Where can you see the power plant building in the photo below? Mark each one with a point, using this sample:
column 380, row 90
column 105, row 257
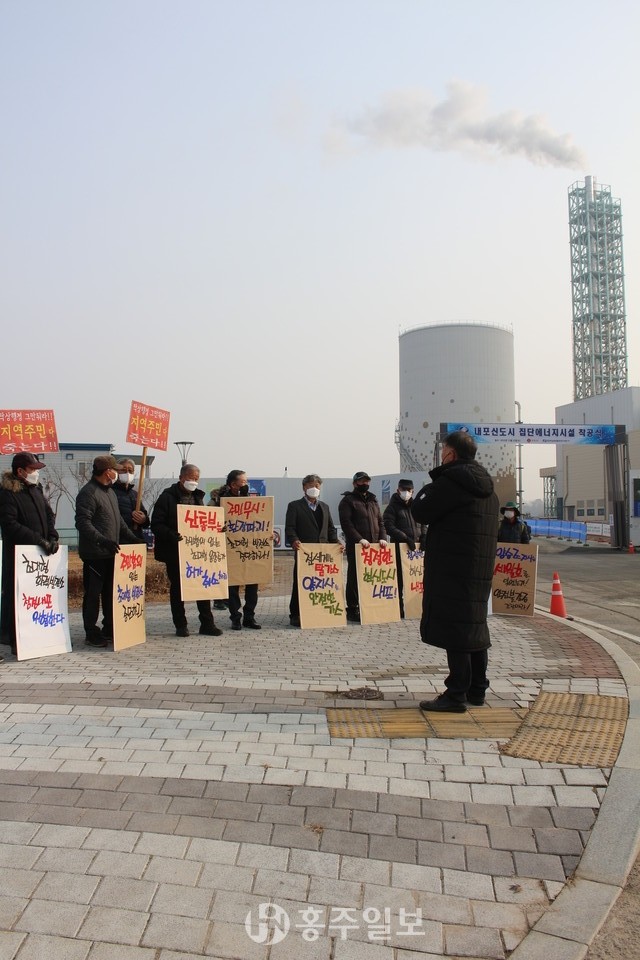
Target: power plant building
column 456, row 372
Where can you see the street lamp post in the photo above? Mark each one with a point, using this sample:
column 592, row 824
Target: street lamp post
column 519, row 463
column 184, row 446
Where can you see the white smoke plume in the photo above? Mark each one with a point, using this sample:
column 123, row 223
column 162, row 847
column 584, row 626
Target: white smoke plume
column 461, row 122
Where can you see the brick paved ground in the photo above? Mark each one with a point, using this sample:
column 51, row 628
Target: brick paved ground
column 150, row 800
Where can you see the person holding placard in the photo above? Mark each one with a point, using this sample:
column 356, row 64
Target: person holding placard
column 362, row 524
column 164, row 524
column 307, row 521
column 128, row 497
column 402, row 528
column 101, row 530
column 25, row 518
column 461, row 509
column 237, row 486
column 512, row 529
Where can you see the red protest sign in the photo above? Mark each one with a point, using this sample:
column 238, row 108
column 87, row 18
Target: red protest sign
column 33, row 431
column 148, row 426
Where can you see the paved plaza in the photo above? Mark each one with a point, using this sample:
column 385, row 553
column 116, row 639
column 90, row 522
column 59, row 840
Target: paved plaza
column 154, row 801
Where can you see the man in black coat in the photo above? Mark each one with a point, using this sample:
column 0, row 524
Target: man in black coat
column 361, row 523
column 164, row 524
column 237, row 485
column 25, row 518
column 512, row 529
column 402, row 528
column 101, row 530
column 461, row 509
column 128, row 497
column 307, row 521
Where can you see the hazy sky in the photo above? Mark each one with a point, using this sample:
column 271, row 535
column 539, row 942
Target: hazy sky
column 231, row 209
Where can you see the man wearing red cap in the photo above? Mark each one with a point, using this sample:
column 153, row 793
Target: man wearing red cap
column 25, row 518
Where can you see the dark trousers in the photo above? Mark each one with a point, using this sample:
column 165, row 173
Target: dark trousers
column 176, row 602
column 250, row 602
column 294, row 603
column 97, row 580
column 467, row 674
column 351, row 589
column 8, row 604
column 399, row 580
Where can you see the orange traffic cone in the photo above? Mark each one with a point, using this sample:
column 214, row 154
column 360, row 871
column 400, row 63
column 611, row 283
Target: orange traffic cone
column 557, row 607
column 632, row 549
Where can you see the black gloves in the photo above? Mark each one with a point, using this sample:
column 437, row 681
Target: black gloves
column 111, row 546
column 49, row 546
column 411, row 544
column 178, row 536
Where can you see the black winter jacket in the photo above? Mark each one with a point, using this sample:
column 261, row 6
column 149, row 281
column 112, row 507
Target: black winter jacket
column 127, row 499
column 461, row 510
column 25, row 515
column 98, row 520
column 360, row 519
column 164, row 520
column 517, row 532
column 399, row 523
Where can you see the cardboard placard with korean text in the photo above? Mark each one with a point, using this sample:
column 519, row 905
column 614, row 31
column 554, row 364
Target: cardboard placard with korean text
column 148, row 426
column 202, row 553
column 320, row 574
column 249, row 529
column 41, row 597
column 129, row 578
column 33, row 431
column 377, row 583
column 412, row 562
column 513, row 590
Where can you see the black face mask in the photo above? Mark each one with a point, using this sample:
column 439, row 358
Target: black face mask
column 362, row 487
column 244, row 491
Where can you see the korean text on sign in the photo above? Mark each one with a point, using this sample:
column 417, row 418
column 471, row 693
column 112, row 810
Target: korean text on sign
column 148, row 426
column 202, row 553
column 33, row 431
column 377, row 578
column 319, row 569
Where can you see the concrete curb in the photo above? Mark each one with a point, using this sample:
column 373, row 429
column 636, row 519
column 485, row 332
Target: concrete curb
column 570, row 924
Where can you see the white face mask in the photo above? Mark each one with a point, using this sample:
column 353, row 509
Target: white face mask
column 126, row 477
column 509, row 514
column 32, row 478
column 405, row 495
column 313, row 492
column 190, row 485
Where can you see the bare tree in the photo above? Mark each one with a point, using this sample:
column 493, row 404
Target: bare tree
column 62, row 482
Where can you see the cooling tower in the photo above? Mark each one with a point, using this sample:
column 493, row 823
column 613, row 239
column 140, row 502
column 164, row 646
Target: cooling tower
column 456, row 372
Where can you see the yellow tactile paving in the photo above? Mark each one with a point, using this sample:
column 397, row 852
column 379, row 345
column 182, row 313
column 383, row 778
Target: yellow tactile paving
column 571, row 728
column 480, row 723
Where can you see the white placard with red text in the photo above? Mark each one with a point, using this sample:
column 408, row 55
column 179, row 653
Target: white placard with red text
column 42, row 608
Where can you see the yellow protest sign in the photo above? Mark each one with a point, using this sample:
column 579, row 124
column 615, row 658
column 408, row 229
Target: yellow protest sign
column 377, row 578
column 202, row 553
column 513, row 590
column 320, row 577
column 129, row 572
column 412, row 565
column 249, row 530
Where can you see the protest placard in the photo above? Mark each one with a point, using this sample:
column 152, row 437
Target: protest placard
column 41, row 602
column 202, row 553
column 249, row 528
column 319, row 570
column 377, row 584
column 412, row 564
column 129, row 573
column 148, row 426
column 513, row 590
column 33, row 431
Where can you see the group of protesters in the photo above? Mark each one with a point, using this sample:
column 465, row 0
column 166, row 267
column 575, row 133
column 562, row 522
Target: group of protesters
column 453, row 518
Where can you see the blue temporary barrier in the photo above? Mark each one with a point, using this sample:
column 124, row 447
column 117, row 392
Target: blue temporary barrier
column 565, row 529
